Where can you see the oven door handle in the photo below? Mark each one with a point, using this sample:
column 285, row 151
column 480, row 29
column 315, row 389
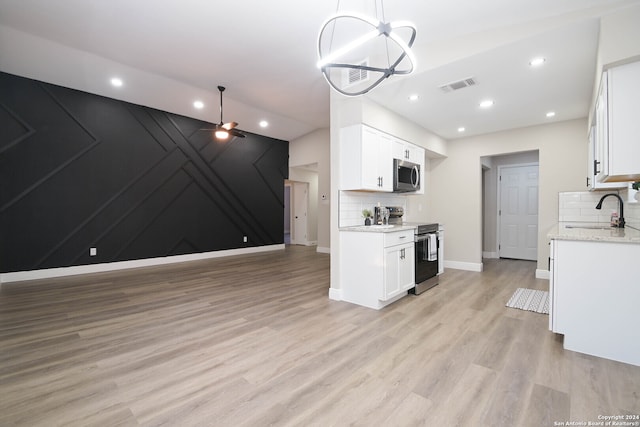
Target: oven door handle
column 421, row 237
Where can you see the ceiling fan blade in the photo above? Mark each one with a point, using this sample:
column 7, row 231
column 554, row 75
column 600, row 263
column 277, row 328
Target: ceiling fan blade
column 237, row 133
column 217, row 126
column 230, row 125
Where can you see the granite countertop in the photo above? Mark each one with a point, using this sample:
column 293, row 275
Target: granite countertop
column 391, row 228
column 594, row 232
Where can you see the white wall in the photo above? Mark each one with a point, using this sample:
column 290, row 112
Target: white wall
column 313, row 148
column 619, row 35
column 618, row 42
column 562, row 156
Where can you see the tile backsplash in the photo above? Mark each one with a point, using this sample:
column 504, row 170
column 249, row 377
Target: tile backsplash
column 581, row 207
column 353, row 202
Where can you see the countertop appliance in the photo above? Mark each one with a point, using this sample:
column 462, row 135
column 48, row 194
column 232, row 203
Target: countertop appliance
column 426, row 243
column 406, row 176
column 388, row 214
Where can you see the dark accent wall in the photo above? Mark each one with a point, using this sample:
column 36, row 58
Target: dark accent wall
column 79, row 170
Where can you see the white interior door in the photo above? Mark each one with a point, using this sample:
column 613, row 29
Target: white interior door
column 518, row 212
column 300, row 202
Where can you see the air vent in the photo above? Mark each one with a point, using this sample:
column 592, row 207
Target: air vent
column 353, row 75
column 450, row 87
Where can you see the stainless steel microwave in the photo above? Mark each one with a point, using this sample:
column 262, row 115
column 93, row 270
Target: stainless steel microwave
column 406, row 176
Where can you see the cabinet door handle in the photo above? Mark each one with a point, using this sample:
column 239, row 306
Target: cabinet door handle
column 587, row 182
column 595, row 167
column 402, row 237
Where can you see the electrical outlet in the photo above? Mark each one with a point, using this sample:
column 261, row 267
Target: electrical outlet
column 93, row 251
column 244, row 239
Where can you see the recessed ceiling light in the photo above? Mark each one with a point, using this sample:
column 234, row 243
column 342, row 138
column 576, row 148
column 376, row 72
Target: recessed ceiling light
column 487, row 103
column 551, row 113
column 413, row 97
column 263, row 123
column 536, row 62
column 198, row 104
column 461, row 129
column 116, row 82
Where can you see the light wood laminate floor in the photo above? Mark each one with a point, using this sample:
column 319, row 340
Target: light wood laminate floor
column 254, row 340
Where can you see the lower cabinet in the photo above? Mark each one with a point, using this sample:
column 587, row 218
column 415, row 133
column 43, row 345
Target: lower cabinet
column 399, row 270
column 376, row 268
column 594, row 298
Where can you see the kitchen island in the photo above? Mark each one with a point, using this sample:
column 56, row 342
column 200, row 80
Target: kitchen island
column 594, row 289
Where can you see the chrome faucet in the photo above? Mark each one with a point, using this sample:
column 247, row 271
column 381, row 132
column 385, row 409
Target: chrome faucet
column 620, row 208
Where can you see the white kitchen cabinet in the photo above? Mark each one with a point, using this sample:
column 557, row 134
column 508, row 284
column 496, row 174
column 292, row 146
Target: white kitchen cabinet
column 594, row 297
column 592, row 167
column 404, row 150
column 376, row 268
column 366, row 159
column 617, row 151
column 399, row 271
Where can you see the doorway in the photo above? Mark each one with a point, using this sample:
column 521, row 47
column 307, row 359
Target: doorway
column 490, row 170
column 518, row 211
column 296, row 212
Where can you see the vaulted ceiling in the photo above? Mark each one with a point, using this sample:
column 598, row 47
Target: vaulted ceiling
column 170, row 53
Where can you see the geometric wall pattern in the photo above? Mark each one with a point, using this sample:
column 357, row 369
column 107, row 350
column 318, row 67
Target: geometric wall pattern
column 79, row 170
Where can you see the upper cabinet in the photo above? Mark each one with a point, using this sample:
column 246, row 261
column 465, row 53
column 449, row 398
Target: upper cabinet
column 593, row 166
column 404, row 150
column 367, row 158
column 616, row 131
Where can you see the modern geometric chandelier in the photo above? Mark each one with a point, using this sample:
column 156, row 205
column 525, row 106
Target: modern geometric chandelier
column 353, row 56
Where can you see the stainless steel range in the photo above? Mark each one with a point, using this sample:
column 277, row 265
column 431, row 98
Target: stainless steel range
column 426, row 242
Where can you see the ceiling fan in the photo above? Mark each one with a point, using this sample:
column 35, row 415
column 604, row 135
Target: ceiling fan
column 223, row 130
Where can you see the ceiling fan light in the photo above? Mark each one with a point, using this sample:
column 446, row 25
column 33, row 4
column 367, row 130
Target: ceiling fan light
column 221, row 134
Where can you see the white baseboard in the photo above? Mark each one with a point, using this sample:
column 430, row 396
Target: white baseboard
column 323, row 250
column 47, row 273
column 490, row 255
column 542, row 274
column 335, row 294
column 468, row 266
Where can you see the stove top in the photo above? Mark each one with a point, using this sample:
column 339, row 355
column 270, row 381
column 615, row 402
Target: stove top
column 422, row 227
